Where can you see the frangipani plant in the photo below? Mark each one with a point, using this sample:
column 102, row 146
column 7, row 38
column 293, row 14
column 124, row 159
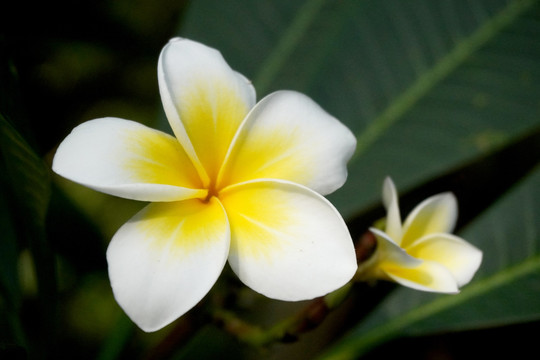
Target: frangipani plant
column 241, row 182
column 438, row 94
column 421, row 253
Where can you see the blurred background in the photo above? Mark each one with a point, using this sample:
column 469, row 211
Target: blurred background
column 442, row 96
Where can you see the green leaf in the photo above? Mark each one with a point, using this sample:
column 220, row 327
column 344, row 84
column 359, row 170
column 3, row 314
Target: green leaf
column 426, row 86
column 9, row 285
column 28, row 186
column 27, row 173
column 504, row 290
column 473, row 100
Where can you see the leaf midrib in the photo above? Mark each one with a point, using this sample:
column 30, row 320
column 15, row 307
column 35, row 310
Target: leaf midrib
column 463, row 50
column 446, row 65
column 287, row 43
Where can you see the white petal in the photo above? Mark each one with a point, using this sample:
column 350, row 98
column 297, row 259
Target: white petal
column 429, row 276
column 454, row 253
column 393, row 217
column 436, row 214
column 393, row 263
column 127, row 159
column 389, row 251
column 204, row 99
column 287, row 242
column 166, row 258
column 288, row 136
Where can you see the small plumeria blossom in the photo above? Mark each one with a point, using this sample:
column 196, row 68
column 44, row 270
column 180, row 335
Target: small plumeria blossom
column 240, row 182
column 422, row 253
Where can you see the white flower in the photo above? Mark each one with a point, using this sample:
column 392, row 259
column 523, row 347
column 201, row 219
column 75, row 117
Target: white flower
column 421, row 253
column 239, row 182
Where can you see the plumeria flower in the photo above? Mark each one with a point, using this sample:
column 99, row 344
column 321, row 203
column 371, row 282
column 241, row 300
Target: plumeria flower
column 422, row 253
column 240, row 181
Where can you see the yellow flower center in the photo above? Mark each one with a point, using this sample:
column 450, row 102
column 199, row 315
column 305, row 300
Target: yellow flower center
column 212, row 191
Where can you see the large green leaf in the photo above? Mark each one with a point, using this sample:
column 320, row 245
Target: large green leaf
column 504, row 291
column 425, row 85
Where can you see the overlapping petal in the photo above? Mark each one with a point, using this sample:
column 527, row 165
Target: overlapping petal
column 458, row 256
column 428, row 276
column 288, row 136
column 401, row 266
column 166, row 258
column 127, row 159
column 390, row 252
column 287, row 242
column 436, row 214
column 393, row 217
column 205, row 101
